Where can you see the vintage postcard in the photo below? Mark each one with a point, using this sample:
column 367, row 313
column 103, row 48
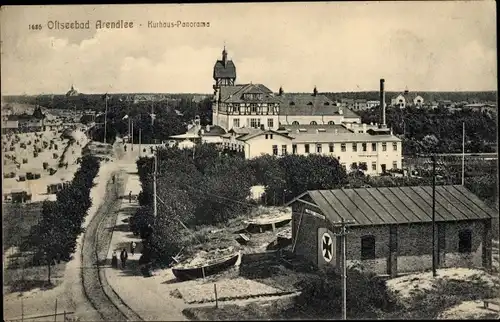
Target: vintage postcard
column 250, row 161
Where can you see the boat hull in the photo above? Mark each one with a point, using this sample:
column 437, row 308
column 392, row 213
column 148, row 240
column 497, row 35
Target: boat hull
column 191, row 273
column 259, row 228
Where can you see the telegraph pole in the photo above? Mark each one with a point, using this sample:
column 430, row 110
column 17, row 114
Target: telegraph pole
column 434, row 258
column 343, row 232
column 140, row 142
column 155, row 211
column 105, row 116
column 463, row 153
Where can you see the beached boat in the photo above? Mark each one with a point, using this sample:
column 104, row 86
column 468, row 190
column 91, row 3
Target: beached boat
column 187, row 272
column 259, row 226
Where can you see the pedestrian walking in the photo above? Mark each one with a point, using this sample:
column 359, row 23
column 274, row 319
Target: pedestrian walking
column 114, row 260
column 130, row 197
column 123, row 257
column 132, row 247
column 113, row 179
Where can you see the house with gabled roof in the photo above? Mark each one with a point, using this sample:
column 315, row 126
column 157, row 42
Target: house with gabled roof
column 390, row 229
column 406, row 99
column 253, row 105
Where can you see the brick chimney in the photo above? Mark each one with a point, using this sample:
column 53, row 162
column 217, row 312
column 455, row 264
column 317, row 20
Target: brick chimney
column 382, row 101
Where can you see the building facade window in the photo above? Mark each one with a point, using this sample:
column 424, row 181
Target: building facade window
column 318, row 148
column 374, row 166
column 254, row 123
column 331, row 147
column 294, row 148
column 374, row 147
column 270, row 109
column 275, row 150
column 394, row 146
column 267, row 136
column 367, row 247
column 314, row 123
column 363, row 147
column 465, row 241
column 236, row 108
column 363, row 166
column 283, row 149
column 236, row 122
column 306, row 148
column 395, row 164
column 355, row 147
column 270, row 123
column 384, row 146
column 331, row 123
column 253, row 108
column 271, row 136
column 342, row 147
column 295, row 123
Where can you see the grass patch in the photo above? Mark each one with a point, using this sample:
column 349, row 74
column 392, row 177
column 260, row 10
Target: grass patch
column 270, row 310
column 25, row 279
column 17, row 222
column 446, row 293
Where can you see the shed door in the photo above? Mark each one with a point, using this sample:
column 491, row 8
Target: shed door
column 327, row 248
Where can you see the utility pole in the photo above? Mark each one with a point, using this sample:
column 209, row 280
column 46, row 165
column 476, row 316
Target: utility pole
column 105, row 116
column 343, row 232
column 155, row 210
column 463, row 153
column 140, row 142
column 434, row 258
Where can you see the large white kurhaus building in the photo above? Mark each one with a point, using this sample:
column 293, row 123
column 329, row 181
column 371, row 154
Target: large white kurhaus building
column 250, row 118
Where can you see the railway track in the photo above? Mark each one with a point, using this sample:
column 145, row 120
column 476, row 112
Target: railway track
column 95, row 248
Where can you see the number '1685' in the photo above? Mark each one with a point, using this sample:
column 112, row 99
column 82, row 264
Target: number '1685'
column 35, row 27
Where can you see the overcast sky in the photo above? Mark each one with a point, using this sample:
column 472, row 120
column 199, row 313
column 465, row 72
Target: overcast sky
column 435, row 46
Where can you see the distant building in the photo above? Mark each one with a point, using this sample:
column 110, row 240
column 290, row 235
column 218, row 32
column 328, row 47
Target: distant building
column 391, row 231
column 224, row 71
column 72, row 92
column 354, row 104
column 372, row 104
column 407, row 99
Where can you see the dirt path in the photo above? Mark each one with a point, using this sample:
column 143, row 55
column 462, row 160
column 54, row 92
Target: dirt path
column 94, row 252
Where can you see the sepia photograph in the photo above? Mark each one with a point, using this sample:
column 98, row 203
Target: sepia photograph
column 250, row 161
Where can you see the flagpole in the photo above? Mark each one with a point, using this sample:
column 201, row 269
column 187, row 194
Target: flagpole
column 463, row 153
column 105, row 117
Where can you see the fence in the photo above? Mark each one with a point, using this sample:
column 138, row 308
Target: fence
column 56, row 316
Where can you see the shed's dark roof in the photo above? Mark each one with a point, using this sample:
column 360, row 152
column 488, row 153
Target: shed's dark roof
column 221, row 71
column 399, row 205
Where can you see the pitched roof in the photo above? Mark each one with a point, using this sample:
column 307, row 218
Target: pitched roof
column 304, row 137
column 308, row 104
column 234, row 94
column 213, row 130
column 249, row 136
column 399, row 205
column 310, row 128
column 221, row 71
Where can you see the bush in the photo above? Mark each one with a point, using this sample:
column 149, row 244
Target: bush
column 367, row 295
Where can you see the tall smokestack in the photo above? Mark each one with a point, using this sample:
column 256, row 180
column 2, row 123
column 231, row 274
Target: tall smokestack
column 382, row 101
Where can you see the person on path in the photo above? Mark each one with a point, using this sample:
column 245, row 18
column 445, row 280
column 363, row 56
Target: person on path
column 114, row 260
column 132, row 247
column 130, row 197
column 123, row 257
column 113, row 179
